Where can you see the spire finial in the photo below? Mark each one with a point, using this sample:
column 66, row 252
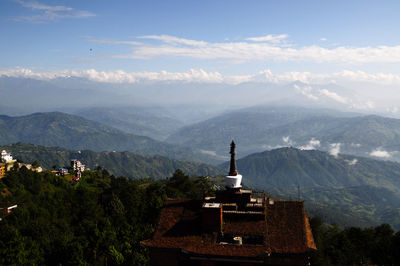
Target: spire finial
column 232, row 169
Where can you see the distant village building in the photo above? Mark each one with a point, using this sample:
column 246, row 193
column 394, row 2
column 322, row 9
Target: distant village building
column 233, row 228
column 6, row 157
column 62, row 171
column 30, row 167
column 2, row 170
column 78, row 167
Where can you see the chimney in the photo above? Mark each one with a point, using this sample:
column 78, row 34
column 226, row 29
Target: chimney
column 212, row 217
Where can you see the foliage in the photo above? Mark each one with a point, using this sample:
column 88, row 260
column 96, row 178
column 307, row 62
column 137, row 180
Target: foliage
column 181, row 186
column 99, row 220
column 355, row 246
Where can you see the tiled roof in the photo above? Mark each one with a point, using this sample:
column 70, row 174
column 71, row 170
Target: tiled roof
column 286, row 231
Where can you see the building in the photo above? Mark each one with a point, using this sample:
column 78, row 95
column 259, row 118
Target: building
column 233, row 228
column 38, row 169
column 2, row 170
column 78, row 167
column 62, row 171
column 6, row 157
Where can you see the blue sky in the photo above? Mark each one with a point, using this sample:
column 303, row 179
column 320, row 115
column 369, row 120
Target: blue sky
column 235, row 39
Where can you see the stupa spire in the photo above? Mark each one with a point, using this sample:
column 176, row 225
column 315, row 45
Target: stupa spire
column 232, row 169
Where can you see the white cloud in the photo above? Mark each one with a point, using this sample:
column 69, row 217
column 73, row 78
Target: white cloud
column 333, row 96
column 334, row 149
column 306, row 91
column 269, row 47
column 269, row 38
column 46, row 13
column 323, row 39
column 352, row 162
column 380, row 153
column 120, row 76
column 357, row 145
column 174, row 40
column 287, row 140
column 313, row 144
column 393, row 110
column 271, row 147
column 311, row 93
column 213, row 153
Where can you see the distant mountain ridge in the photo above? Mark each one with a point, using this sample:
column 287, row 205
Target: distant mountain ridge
column 139, row 121
column 118, row 163
column 256, row 130
column 287, row 168
column 74, row 132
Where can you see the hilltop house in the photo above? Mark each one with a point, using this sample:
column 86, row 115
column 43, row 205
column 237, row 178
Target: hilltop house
column 2, row 170
column 6, row 157
column 233, row 228
column 62, row 171
column 78, row 167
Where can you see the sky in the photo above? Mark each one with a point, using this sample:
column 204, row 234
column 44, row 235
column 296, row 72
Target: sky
column 202, row 41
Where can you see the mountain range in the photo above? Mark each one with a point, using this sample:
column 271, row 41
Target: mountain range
column 139, row 121
column 260, row 128
column 73, row 132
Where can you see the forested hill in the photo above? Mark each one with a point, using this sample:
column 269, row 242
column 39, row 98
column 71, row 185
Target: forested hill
column 289, row 167
column 118, row 163
column 74, row 132
column 343, row 189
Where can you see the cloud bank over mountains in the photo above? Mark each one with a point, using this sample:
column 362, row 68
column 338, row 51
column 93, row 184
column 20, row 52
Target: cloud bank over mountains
column 202, row 76
column 352, row 90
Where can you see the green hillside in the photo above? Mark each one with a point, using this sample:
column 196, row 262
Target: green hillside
column 289, row 167
column 118, row 163
column 352, row 206
column 347, row 190
column 74, row 132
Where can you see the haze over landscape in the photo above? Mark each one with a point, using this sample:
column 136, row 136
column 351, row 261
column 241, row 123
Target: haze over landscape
column 309, row 91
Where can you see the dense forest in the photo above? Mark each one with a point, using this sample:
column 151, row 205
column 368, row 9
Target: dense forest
column 101, row 220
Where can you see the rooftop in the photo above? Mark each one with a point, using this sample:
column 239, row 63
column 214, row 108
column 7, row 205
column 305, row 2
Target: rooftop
column 283, row 228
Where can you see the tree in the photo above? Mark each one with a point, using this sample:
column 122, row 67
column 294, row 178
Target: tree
column 35, row 164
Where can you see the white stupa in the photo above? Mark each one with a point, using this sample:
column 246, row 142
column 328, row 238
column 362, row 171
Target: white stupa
column 233, row 179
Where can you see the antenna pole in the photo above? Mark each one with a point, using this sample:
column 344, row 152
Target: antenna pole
column 299, row 192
